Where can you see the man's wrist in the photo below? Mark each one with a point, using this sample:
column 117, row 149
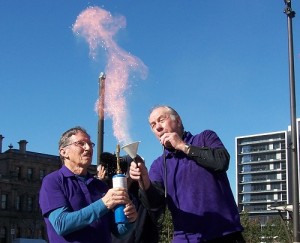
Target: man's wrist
column 187, row 148
column 144, row 182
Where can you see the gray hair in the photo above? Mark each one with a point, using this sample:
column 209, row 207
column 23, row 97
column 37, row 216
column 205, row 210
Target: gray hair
column 172, row 112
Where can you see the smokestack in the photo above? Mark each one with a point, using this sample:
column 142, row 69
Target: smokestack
column 1, row 138
column 102, row 78
column 22, row 146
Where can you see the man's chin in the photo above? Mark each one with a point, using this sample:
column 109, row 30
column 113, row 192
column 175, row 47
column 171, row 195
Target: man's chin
column 86, row 159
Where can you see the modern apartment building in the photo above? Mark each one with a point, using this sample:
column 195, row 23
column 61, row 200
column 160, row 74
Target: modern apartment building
column 263, row 172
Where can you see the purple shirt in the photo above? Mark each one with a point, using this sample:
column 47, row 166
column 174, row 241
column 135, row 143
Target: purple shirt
column 200, row 201
column 62, row 188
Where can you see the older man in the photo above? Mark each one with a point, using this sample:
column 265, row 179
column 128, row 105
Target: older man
column 76, row 206
column 190, row 178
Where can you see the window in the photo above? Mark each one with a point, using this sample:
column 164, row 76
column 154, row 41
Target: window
column 42, row 174
column 258, row 197
column 275, row 186
column 4, row 201
column 258, row 187
column 29, row 173
column 247, row 188
column 284, row 196
column 276, row 166
column 259, row 207
column 247, row 168
column 260, row 167
column 18, row 172
column 276, row 145
column 29, row 204
column 2, row 232
column 246, row 198
column 246, row 149
column 246, row 158
column 247, row 178
column 18, row 232
column 29, row 233
column 18, row 203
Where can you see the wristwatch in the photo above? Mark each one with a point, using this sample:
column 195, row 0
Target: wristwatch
column 187, row 148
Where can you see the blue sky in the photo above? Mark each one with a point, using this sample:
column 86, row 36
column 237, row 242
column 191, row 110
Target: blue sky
column 223, row 65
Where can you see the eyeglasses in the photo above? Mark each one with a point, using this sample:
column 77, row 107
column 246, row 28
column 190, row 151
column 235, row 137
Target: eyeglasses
column 81, row 144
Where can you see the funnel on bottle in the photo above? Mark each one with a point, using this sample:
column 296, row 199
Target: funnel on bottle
column 131, row 149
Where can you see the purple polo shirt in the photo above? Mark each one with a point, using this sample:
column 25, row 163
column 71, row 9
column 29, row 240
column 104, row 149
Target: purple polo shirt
column 62, row 188
column 200, row 201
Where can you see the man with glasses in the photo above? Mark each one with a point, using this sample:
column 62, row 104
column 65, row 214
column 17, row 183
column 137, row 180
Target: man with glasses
column 190, row 178
column 76, row 206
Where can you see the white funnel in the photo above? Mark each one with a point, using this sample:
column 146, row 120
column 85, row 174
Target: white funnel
column 131, row 149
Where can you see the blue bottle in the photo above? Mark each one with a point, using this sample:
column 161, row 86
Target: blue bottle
column 120, row 180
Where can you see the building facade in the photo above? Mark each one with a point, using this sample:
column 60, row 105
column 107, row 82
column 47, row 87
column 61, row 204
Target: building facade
column 263, row 172
column 21, row 174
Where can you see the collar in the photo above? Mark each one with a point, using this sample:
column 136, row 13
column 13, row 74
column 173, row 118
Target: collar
column 67, row 173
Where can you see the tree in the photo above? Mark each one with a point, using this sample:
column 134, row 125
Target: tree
column 252, row 228
column 275, row 230
column 166, row 233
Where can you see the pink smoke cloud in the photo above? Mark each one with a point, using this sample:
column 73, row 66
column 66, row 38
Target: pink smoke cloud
column 98, row 27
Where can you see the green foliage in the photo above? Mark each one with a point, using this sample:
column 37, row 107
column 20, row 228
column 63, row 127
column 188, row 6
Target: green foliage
column 166, row 233
column 252, row 229
column 275, row 230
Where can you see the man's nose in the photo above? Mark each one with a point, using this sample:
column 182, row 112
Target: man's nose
column 88, row 146
column 159, row 127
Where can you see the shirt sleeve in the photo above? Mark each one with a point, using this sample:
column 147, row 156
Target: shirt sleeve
column 64, row 221
column 208, row 151
column 213, row 159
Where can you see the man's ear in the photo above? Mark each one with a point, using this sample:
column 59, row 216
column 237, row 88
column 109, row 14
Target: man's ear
column 63, row 153
column 179, row 122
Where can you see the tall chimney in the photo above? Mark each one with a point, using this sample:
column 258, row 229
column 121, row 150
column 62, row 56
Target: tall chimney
column 1, row 138
column 22, row 146
column 101, row 79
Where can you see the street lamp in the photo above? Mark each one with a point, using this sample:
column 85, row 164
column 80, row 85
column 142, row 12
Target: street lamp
column 293, row 146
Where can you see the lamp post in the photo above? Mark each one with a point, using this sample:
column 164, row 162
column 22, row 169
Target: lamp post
column 101, row 80
column 293, row 146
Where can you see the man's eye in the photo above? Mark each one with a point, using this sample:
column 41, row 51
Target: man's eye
column 81, row 143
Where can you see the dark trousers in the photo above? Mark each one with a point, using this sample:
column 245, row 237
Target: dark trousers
column 231, row 238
